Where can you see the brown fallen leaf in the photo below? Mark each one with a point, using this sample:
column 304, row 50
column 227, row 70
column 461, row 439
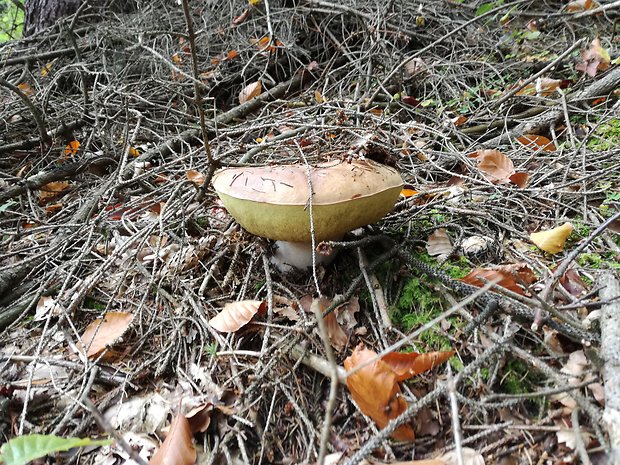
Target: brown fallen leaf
column 537, row 143
column 199, row 418
column 250, row 91
column 195, row 177
column 104, row 332
column 178, row 447
column 52, row 190
column 375, row 390
column 479, row 276
column 552, row 240
column 594, row 59
column 407, row 365
column 577, row 6
column 497, row 167
column 438, row 243
column 235, row 315
column 543, row 87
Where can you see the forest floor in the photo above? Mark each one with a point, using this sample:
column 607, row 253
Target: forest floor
column 503, row 120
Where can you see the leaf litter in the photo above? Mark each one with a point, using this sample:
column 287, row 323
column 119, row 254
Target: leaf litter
column 156, row 246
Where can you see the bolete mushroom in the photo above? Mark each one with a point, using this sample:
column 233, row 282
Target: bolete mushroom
column 274, row 201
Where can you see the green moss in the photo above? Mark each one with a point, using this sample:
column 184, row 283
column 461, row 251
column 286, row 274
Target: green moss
column 94, row 304
column 516, row 378
column 419, row 303
column 606, row 136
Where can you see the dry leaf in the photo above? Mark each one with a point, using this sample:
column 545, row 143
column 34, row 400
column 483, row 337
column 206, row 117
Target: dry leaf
column 572, row 282
column 241, row 18
column 26, row 88
column 199, row 417
column 104, row 332
column 552, row 240
column 406, row 193
column 250, row 91
column 195, row 177
column 543, row 87
column 438, row 243
column 577, row 6
column 337, row 337
column 519, row 179
column 407, row 365
column 470, row 457
column 72, row 148
column 371, row 461
column 375, row 390
column 235, row 315
column 537, row 143
column 480, row 276
column 52, row 190
column 178, row 448
column 594, row 59
column 46, row 305
column 495, row 166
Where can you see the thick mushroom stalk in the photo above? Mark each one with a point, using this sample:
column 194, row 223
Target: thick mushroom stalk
column 275, row 201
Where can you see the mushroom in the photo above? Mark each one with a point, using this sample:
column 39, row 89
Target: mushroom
column 274, row 202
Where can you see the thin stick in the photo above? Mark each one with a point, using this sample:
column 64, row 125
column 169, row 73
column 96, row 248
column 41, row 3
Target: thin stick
column 197, row 84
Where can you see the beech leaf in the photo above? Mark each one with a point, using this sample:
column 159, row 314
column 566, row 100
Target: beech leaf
column 407, row 365
column 479, row 276
column 104, row 332
column 537, row 143
column 178, row 448
column 376, row 391
column 552, row 240
column 235, row 315
column 250, row 91
column 494, row 165
column 438, row 243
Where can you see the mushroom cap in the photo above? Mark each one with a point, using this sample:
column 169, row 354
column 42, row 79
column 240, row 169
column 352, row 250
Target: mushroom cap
column 273, row 201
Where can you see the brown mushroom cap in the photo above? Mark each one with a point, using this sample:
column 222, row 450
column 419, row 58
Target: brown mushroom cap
column 273, row 201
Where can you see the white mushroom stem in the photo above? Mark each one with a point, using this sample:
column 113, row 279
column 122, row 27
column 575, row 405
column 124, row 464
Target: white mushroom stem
column 297, row 255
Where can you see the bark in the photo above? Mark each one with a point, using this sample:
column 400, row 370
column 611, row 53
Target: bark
column 43, row 13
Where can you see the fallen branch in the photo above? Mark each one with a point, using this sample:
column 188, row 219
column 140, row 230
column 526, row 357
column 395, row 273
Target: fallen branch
column 550, row 117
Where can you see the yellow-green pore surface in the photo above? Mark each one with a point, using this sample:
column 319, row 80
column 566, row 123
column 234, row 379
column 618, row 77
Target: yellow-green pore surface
column 273, row 202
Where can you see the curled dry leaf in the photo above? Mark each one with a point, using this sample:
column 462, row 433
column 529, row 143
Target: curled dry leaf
column 407, row 365
column 199, row 418
column 178, row 448
column 250, row 91
column 376, row 391
column 594, row 59
column 195, row 177
column 572, row 282
column 577, row 6
column 337, row 337
column 235, row 315
column 104, row 332
column 537, row 143
column 552, row 240
column 438, row 243
column 503, row 275
column 543, row 87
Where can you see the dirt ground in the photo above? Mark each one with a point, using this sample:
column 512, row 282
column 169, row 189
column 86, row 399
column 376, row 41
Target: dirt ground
column 116, row 253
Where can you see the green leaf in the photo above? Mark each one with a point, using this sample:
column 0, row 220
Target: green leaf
column 482, row 9
column 23, row 449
